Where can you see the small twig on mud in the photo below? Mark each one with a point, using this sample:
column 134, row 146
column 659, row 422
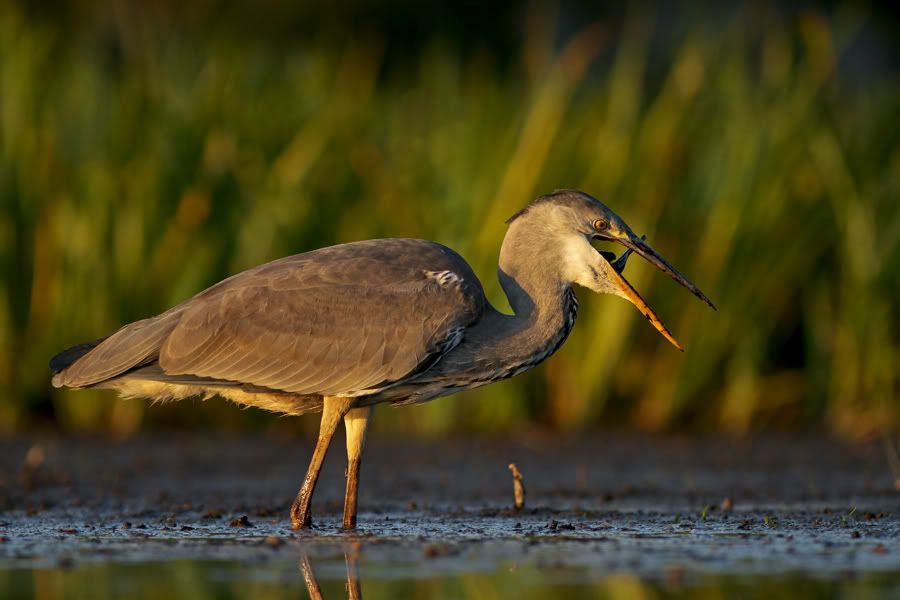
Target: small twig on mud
column 518, row 487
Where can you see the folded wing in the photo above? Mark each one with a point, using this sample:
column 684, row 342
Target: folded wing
column 343, row 320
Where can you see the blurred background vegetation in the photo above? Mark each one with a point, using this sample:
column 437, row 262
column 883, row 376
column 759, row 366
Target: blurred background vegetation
column 148, row 150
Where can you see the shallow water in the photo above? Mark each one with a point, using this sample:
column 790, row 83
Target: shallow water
column 622, row 516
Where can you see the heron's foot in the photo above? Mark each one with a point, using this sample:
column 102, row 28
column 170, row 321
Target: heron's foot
column 300, row 517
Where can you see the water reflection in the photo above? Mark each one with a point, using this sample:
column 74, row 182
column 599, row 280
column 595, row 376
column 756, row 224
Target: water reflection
column 321, row 569
column 389, row 579
column 351, row 560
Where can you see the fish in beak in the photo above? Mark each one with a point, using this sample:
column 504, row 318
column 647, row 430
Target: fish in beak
column 633, row 243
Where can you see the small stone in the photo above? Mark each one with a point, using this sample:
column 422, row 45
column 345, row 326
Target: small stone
column 273, row 541
column 242, row 522
column 168, row 520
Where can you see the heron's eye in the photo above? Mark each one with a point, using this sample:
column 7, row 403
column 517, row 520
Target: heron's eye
column 600, row 225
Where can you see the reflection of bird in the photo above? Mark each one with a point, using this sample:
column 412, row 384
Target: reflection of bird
column 353, row 587
column 344, row 328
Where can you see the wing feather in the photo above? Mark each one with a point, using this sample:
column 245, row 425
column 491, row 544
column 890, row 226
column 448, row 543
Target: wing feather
column 337, row 321
column 130, row 346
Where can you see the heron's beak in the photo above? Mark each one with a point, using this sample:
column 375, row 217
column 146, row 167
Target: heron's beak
column 635, row 244
column 625, row 290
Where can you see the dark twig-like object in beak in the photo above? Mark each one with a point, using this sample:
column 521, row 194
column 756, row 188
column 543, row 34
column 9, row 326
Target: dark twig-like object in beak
column 619, row 263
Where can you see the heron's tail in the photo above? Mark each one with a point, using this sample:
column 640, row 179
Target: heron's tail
column 67, row 357
column 131, row 347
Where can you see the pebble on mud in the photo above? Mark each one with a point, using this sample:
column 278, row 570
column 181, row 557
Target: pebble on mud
column 242, row 522
column 273, row 542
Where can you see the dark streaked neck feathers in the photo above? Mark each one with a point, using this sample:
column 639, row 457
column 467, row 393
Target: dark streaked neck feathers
column 532, row 274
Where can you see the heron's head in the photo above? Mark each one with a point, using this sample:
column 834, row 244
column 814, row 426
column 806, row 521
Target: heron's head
column 558, row 229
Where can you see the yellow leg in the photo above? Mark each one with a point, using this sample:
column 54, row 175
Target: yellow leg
column 356, row 421
column 333, row 410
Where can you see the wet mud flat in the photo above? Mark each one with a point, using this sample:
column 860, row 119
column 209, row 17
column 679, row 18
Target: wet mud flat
column 207, row 515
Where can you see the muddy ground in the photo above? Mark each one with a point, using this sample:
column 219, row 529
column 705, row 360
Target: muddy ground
column 667, row 511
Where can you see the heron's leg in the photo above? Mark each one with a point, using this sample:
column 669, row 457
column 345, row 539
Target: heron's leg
column 356, row 421
column 333, row 410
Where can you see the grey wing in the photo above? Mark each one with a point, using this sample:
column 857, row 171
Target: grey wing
column 345, row 320
column 341, row 320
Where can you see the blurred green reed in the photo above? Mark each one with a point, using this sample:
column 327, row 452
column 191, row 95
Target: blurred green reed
column 140, row 164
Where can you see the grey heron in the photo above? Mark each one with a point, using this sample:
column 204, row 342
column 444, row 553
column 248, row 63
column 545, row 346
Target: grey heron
column 343, row 328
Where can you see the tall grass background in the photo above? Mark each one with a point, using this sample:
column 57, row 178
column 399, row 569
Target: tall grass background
column 143, row 159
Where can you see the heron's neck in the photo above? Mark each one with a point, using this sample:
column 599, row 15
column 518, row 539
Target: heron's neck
column 544, row 313
column 544, row 306
column 501, row 345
